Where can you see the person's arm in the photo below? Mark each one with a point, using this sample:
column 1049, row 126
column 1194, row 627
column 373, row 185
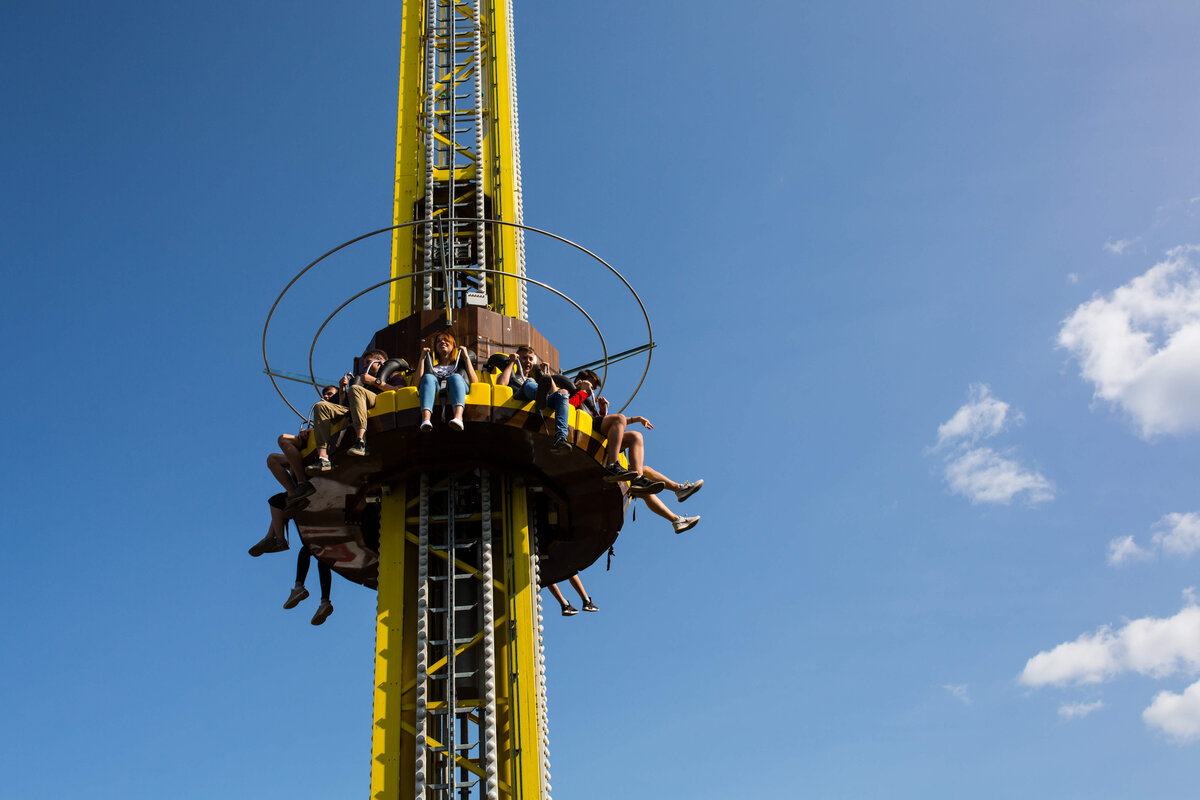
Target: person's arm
column 421, row 363
column 506, row 375
column 645, row 422
column 470, row 367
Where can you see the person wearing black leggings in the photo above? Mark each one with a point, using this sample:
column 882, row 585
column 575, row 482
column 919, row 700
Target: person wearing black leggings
column 298, row 593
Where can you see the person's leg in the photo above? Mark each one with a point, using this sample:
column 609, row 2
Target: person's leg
column 325, row 575
column 588, row 605
column 361, row 399
column 277, row 463
column 456, row 394
column 289, row 445
column 561, row 404
column 613, row 428
column 526, row 391
column 633, row 442
column 679, row 522
column 427, row 390
column 568, row 610
column 659, row 507
column 298, row 593
column 655, row 475
column 324, row 413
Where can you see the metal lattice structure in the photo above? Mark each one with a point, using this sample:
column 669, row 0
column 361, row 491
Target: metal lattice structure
column 458, row 160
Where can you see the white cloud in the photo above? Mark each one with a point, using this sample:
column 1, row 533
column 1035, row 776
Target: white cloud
column 1124, row 549
column 1072, row 277
column 1176, row 534
column 984, row 476
column 982, row 416
column 980, row 473
column 1148, row 646
column 1079, row 710
column 1179, row 534
column 1140, row 345
column 960, row 692
column 1177, row 715
column 1120, row 245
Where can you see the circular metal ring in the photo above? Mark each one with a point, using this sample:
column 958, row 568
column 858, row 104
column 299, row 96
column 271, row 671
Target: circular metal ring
column 381, row 284
column 355, row 240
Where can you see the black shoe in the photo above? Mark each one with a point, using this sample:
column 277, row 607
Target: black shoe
column 615, row 472
column 323, row 612
column 294, row 507
column 301, row 489
column 561, row 446
column 267, row 544
column 295, row 597
column 358, row 449
column 319, row 466
column 640, row 487
column 590, row 606
column 570, row 610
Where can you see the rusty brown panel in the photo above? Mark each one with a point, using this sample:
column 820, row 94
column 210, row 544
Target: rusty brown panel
column 483, row 331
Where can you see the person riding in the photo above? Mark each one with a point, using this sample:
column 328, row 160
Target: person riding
column 524, row 372
column 611, row 427
column 360, row 396
column 444, row 366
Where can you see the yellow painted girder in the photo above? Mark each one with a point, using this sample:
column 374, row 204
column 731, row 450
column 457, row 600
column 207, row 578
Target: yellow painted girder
column 462, row 565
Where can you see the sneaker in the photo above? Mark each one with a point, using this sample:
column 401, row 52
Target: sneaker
column 615, row 472
column 323, row 612
column 426, row 426
column 295, row 597
column 561, row 446
column 457, row 424
column 301, row 489
column 359, row 448
column 688, row 489
column 590, row 606
column 640, row 487
column 267, row 544
column 682, row 524
column 319, row 466
column 293, row 507
column 570, row 610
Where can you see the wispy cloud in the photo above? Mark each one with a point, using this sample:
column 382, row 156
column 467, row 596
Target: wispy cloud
column 1124, row 550
column 1140, row 345
column 1079, row 710
column 1176, row 534
column 1119, row 246
column 979, row 473
column 959, row 691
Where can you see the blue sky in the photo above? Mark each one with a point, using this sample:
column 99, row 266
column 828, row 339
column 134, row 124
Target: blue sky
column 928, row 327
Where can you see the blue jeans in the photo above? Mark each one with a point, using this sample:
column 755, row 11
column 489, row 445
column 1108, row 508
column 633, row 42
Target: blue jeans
column 562, row 406
column 456, row 390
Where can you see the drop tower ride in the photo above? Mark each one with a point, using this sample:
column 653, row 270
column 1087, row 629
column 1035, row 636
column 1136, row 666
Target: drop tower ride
column 457, row 530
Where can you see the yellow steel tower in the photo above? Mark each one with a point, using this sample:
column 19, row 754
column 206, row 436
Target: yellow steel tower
column 459, row 681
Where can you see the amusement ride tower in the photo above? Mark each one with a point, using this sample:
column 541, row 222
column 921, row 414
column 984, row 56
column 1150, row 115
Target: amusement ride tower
column 457, row 529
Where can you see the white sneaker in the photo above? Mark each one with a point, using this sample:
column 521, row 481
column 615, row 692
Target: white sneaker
column 426, row 426
column 688, row 489
column 456, row 423
column 682, row 524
